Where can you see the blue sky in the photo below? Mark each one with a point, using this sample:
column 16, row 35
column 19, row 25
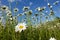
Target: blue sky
column 33, row 4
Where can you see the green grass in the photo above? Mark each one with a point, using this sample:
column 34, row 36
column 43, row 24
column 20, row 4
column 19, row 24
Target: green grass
column 43, row 32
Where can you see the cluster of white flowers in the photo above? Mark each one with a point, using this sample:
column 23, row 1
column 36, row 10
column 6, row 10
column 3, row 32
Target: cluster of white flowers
column 50, row 6
column 40, row 9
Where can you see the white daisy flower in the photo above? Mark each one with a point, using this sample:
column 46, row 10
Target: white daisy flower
column 39, row 9
column 11, row 19
column 25, row 13
column 4, row 8
column 14, row 17
column 16, row 9
column 8, row 11
column 25, row 8
column 55, row 3
column 21, row 14
column 52, row 38
column 9, row 14
column 20, row 27
column 29, row 12
column 49, row 4
column 43, row 8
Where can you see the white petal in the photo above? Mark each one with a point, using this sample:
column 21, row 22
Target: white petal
column 20, row 30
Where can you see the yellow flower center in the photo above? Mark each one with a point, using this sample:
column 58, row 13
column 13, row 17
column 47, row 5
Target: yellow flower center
column 21, row 26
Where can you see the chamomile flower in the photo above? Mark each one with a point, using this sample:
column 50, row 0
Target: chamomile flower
column 30, row 12
column 43, row 8
column 52, row 38
column 15, row 17
column 11, row 19
column 25, row 8
column 4, row 8
column 51, row 12
column 9, row 14
column 55, row 3
column 25, row 13
column 51, row 7
column 48, row 4
column 39, row 9
column 21, row 14
column 20, row 27
column 8, row 11
column 16, row 9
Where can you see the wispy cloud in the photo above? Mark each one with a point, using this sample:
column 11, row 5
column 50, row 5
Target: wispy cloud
column 11, row 0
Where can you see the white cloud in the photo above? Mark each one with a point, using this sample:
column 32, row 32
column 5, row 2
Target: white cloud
column 11, row 0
